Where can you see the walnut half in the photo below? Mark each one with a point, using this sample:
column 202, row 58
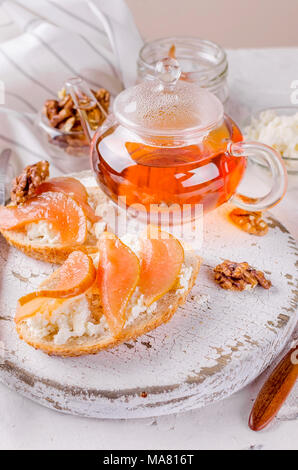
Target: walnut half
column 239, row 276
column 250, row 222
column 24, row 186
column 63, row 115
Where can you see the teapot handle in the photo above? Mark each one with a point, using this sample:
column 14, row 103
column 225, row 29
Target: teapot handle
column 273, row 161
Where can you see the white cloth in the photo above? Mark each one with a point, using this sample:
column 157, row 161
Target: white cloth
column 96, row 40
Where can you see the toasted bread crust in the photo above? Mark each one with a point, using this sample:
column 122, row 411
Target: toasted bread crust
column 167, row 306
column 55, row 254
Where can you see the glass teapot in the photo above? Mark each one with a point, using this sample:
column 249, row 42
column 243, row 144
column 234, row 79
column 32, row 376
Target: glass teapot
column 168, row 144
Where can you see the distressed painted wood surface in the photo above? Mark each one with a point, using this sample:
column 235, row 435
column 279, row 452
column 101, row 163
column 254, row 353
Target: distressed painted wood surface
column 218, row 342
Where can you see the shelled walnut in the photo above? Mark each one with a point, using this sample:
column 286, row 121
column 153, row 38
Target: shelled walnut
column 239, row 276
column 250, row 222
column 63, row 116
column 24, row 186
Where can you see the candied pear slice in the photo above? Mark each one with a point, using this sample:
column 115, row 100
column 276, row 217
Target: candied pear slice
column 162, row 256
column 117, row 277
column 62, row 211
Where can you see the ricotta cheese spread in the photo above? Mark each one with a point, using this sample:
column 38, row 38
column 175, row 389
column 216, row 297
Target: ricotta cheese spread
column 43, row 232
column 71, row 319
column 280, row 132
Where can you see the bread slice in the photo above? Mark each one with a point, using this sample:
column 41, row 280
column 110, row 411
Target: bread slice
column 53, row 253
column 143, row 323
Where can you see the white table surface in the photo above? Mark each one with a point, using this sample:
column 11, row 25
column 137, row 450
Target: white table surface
column 257, row 78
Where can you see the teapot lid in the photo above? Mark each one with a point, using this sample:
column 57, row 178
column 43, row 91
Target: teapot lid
column 167, row 105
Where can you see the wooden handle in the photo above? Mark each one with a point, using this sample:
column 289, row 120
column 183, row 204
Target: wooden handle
column 275, row 391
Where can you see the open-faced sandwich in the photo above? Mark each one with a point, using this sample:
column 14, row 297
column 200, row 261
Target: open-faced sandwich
column 48, row 218
column 92, row 302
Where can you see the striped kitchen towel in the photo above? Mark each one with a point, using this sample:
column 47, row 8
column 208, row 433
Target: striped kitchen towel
column 96, row 40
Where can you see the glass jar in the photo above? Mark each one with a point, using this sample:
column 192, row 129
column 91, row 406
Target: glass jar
column 201, row 61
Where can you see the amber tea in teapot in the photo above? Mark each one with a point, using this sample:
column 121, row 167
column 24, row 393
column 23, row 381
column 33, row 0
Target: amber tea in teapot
column 201, row 173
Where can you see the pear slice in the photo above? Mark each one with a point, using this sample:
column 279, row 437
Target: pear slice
column 74, row 277
column 118, row 275
column 66, row 215
column 162, row 256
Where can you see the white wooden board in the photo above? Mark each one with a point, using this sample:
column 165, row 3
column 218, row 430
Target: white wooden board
column 218, row 342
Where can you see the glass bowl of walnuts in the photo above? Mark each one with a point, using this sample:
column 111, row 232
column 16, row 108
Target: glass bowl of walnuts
column 62, row 130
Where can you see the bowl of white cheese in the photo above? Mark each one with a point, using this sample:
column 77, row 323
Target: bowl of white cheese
column 278, row 128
